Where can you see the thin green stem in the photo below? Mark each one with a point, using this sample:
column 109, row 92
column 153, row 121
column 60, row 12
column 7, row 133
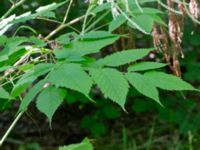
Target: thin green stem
column 95, row 22
column 76, row 30
column 190, row 140
column 168, row 8
column 138, row 5
column 10, row 128
column 62, row 26
column 24, row 27
column 13, row 123
column 90, row 20
column 85, row 18
column 99, row 27
column 67, row 12
column 11, row 1
column 12, row 8
column 49, row 20
column 7, row 82
column 131, row 21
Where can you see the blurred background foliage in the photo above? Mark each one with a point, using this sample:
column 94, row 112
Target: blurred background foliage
column 145, row 126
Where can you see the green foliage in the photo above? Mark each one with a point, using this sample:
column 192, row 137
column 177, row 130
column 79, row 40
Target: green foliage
column 124, row 57
column 81, row 62
column 31, row 95
column 22, row 84
column 71, row 75
column 145, row 22
column 49, row 100
column 43, row 11
column 84, row 145
column 97, row 129
column 30, row 146
column 33, row 72
column 143, row 66
column 71, row 72
column 112, row 83
column 4, row 94
column 117, row 23
column 91, row 43
column 144, row 85
column 167, row 81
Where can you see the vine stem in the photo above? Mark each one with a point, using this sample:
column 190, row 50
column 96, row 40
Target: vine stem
column 12, row 8
column 10, row 128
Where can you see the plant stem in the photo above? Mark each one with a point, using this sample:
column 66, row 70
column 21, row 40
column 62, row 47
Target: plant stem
column 13, row 123
column 12, row 8
column 10, row 128
column 85, row 18
column 62, row 26
column 96, row 21
column 168, row 8
column 49, row 20
column 189, row 14
column 139, row 7
column 130, row 20
column 67, row 12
